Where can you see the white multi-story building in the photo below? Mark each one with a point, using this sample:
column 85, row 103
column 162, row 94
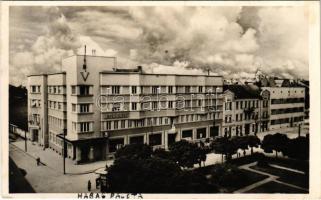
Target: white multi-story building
column 101, row 108
column 287, row 106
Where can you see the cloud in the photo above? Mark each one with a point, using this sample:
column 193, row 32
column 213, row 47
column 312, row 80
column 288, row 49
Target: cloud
column 230, row 41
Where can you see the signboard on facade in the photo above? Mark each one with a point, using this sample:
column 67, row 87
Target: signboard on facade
column 116, row 115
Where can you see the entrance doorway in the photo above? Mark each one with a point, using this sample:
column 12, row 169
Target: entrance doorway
column 35, row 133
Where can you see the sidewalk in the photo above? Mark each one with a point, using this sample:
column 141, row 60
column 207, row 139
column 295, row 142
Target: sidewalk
column 45, row 179
column 55, row 161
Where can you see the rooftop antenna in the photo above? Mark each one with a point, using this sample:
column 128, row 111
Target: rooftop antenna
column 84, row 65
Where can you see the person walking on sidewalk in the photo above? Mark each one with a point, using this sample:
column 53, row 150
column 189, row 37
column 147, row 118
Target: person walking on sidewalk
column 38, row 161
column 89, row 186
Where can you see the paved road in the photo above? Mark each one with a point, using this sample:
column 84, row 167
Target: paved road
column 17, row 181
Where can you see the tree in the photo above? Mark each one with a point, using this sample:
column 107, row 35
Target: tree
column 186, row 154
column 218, row 146
column 253, row 141
column 298, row 148
column 276, row 142
column 162, row 153
column 225, row 146
column 134, row 151
column 152, row 175
column 240, row 143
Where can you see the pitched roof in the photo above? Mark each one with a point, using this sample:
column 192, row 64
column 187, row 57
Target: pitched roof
column 244, row 91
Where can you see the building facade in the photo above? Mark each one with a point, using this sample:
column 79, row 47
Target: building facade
column 100, row 108
column 245, row 110
column 287, row 107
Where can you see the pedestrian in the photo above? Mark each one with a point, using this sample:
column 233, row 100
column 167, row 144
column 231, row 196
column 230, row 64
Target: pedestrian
column 89, row 185
column 38, row 161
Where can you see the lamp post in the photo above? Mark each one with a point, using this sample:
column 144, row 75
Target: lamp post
column 63, row 149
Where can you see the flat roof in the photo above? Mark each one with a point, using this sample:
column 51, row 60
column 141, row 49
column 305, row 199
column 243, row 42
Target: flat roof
column 43, row 74
column 113, row 72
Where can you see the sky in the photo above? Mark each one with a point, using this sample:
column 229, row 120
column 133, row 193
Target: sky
column 233, row 42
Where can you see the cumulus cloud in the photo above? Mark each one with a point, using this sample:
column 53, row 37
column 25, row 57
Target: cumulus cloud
column 230, row 41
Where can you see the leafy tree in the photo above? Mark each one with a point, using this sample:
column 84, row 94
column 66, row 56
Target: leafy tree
column 240, row 142
column 142, row 176
column 218, row 146
column 253, row 141
column 298, row 148
column 134, row 151
column 154, row 175
column 186, row 154
column 162, row 153
column 225, row 146
column 276, row 142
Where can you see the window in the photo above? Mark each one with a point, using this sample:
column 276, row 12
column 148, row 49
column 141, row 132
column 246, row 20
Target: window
column 35, row 89
column 134, row 106
column 170, row 89
column 73, row 107
column 122, row 123
column 115, row 89
column 200, row 89
column 73, row 90
column 84, row 108
column 84, row 90
column 228, row 105
column 237, row 117
column 155, row 139
column 115, row 124
column 187, row 134
column 199, row 102
column 237, row 105
column 187, row 89
column 85, row 126
column 154, row 105
column 155, row 89
column 134, row 89
column 201, row 133
column 170, row 104
column 108, row 125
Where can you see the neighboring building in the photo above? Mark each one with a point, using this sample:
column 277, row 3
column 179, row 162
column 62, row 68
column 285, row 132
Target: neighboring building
column 286, row 107
column 37, row 109
column 101, row 108
column 245, row 110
